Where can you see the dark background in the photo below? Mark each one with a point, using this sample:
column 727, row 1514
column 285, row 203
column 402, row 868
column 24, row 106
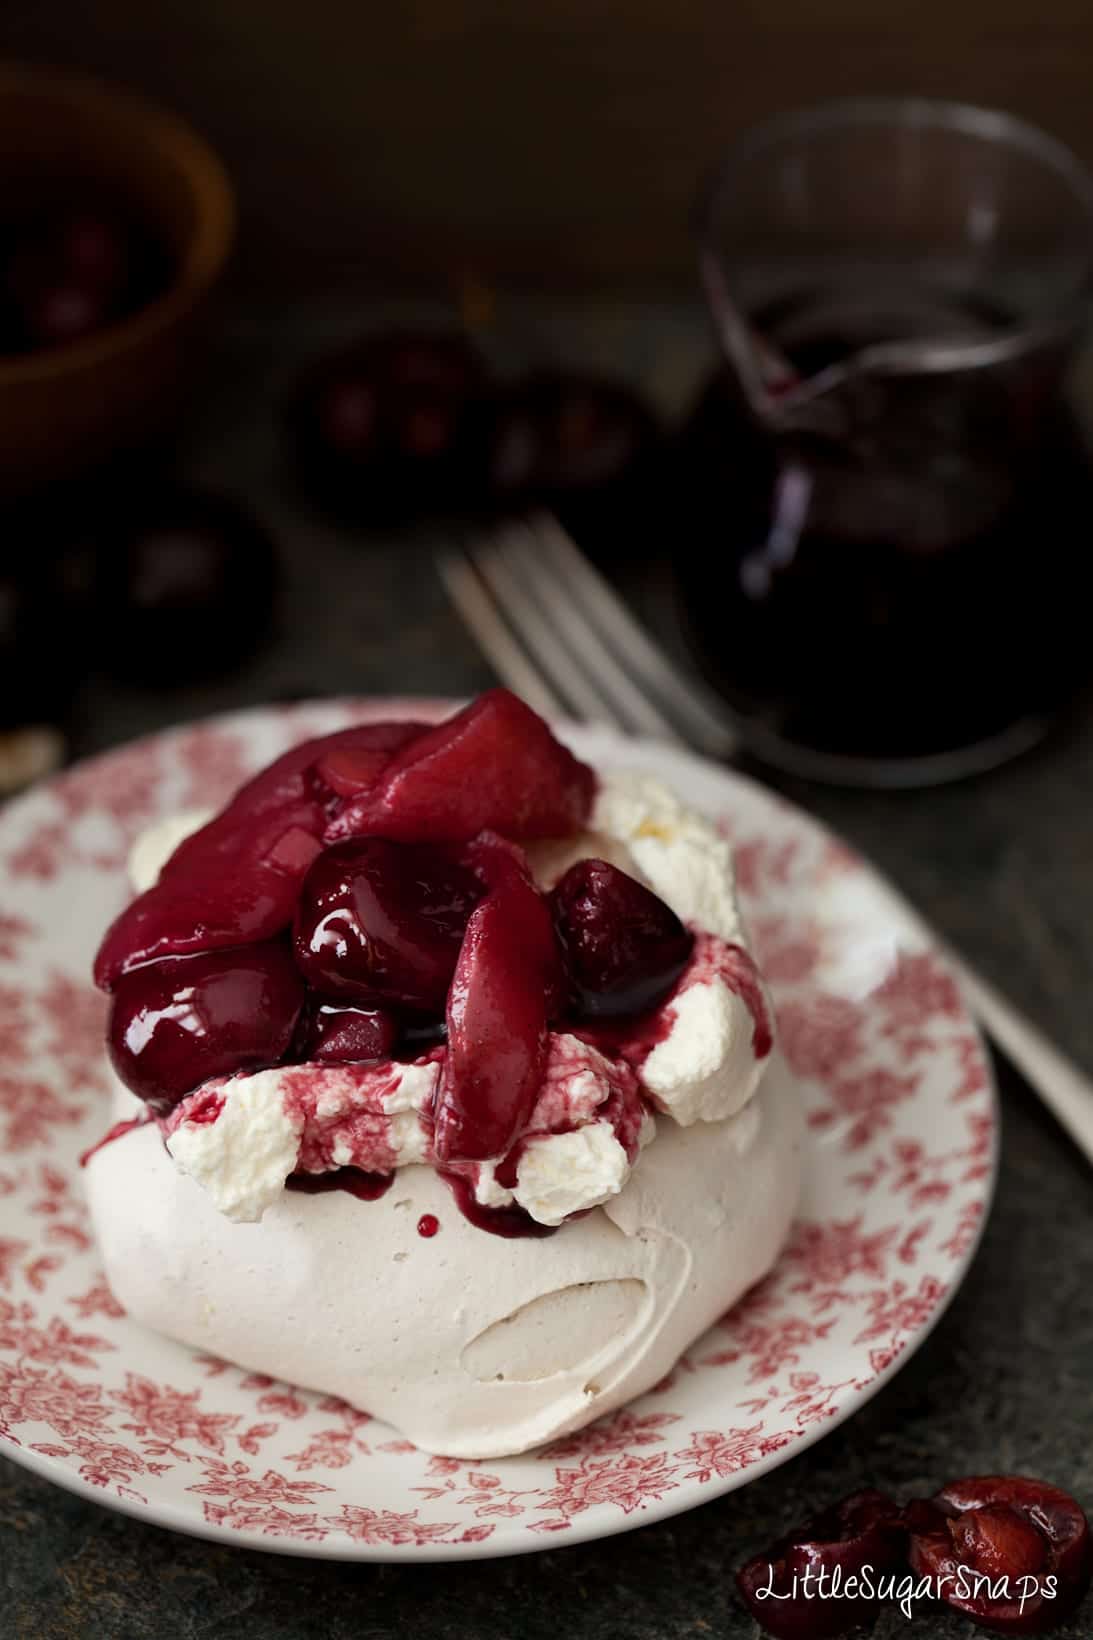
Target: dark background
column 542, row 145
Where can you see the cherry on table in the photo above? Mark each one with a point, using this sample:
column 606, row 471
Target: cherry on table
column 384, row 430
column 781, row 1587
column 176, row 1023
column 624, row 948
column 1006, row 1528
column 187, row 579
column 584, row 446
column 381, row 922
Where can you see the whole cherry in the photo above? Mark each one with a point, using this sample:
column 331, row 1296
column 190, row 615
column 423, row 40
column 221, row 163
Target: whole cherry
column 384, row 430
column 176, row 1023
column 624, row 948
column 584, row 446
column 186, row 581
column 382, row 923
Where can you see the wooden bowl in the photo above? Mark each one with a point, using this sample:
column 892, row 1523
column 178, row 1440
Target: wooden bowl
column 65, row 408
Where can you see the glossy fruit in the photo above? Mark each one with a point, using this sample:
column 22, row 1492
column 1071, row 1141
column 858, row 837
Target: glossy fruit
column 494, row 766
column 383, row 922
column 176, row 1023
column 624, row 948
column 497, row 1011
column 383, row 430
column 330, row 1034
column 237, row 880
column 783, row 1589
column 1022, row 1538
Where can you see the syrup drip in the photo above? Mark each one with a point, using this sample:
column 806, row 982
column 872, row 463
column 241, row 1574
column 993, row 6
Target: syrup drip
column 367, row 1187
column 118, row 1131
column 509, row 1222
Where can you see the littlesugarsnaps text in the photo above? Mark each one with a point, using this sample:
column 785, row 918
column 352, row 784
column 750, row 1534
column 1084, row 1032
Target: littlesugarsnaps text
column 905, row 1589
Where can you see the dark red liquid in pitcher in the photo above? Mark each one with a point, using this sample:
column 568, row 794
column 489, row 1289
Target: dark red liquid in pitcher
column 907, row 584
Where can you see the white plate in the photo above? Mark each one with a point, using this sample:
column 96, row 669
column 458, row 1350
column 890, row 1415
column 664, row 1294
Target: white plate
column 901, row 1164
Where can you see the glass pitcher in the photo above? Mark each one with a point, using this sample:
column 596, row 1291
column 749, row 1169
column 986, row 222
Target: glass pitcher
column 884, row 556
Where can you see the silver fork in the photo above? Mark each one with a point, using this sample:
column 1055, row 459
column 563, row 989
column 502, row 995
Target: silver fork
column 557, row 634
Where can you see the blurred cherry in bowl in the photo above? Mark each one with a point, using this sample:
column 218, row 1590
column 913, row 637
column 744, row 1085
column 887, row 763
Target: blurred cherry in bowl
column 117, row 222
column 74, row 265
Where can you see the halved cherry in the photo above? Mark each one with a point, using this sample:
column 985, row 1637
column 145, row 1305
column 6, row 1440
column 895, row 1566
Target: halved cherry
column 330, row 1034
column 1015, row 1553
column 236, row 880
column 495, row 766
column 382, row 922
column 176, row 1023
column 790, row 1589
column 497, row 1011
column 624, row 948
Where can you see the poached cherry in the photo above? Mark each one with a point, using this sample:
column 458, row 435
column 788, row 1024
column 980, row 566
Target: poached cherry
column 782, row 1587
column 624, row 948
column 382, row 922
column 1013, row 1532
column 498, row 1007
column 495, row 766
column 176, row 1023
column 236, row 881
column 329, row 1034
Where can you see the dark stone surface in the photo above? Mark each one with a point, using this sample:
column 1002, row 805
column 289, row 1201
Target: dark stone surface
column 1004, row 865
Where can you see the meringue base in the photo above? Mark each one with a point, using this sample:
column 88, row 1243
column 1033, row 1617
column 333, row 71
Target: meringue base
column 471, row 1345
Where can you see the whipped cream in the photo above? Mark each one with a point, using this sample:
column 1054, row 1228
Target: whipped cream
column 702, row 1062
column 679, row 853
column 314, row 1118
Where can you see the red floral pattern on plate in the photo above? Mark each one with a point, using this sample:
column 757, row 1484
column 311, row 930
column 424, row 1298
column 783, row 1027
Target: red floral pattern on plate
column 901, row 1115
